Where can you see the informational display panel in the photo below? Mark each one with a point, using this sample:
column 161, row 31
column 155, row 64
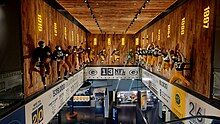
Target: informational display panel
column 42, row 109
column 179, row 101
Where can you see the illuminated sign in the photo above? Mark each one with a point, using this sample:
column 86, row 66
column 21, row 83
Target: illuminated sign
column 183, row 26
column 55, row 29
column 39, row 22
column 206, row 17
column 168, row 31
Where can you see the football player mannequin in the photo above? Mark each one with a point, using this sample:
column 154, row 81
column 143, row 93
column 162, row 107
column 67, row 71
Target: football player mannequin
column 102, row 55
column 75, row 58
column 130, row 56
column 150, row 49
column 42, row 57
column 179, row 63
column 155, row 54
column 80, row 56
column 115, row 55
column 59, row 56
column 167, row 61
column 68, row 58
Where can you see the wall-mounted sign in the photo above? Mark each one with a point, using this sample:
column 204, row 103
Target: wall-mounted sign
column 168, row 31
column 55, row 29
column 109, row 41
column 95, row 41
column 65, row 33
column 183, row 26
column 112, row 73
column 206, row 17
column 41, row 110
column 39, row 23
column 123, row 41
column 160, row 87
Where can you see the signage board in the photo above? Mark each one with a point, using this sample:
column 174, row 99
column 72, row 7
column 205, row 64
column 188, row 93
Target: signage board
column 42, row 109
column 180, row 102
column 112, row 73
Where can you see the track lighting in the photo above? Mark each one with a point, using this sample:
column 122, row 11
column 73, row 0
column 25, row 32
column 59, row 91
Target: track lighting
column 92, row 14
column 137, row 14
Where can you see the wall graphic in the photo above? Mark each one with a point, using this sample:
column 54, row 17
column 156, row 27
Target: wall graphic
column 62, row 51
column 179, row 46
column 42, row 109
column 178, row 101
column 112, row 49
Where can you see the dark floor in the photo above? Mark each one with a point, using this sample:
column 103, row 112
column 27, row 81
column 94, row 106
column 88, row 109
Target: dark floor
column 127, row 115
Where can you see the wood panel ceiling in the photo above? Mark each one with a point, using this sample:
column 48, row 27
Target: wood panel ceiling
column 114, row 16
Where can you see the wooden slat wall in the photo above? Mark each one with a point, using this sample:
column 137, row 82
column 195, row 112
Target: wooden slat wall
column 116, row 39
column 195, row 44
column 31, row 36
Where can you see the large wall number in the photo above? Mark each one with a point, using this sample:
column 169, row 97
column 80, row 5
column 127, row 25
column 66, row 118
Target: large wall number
column 158, row 37
column 183, row 26
column 123, row 41
column 55, row 29
column 206, row 17
column 39, row 22
column 137, row 41
column 38, row 115
column 196, row 110
column 168, row 31
column 95, row 41
column 65, row 33
column 109, row 41
column 72, row 36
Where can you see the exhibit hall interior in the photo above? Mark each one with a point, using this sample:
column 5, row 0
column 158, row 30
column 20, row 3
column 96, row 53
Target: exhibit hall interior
column 109, row 61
